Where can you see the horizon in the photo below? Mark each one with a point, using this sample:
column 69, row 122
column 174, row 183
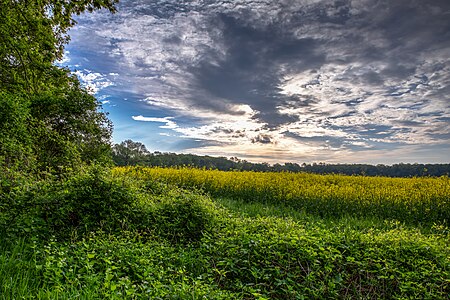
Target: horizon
column 349, row 82
column 288, row 162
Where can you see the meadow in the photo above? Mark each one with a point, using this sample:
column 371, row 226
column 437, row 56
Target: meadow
column 155, row 233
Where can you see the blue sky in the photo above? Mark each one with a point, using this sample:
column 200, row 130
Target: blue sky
column 276, row 81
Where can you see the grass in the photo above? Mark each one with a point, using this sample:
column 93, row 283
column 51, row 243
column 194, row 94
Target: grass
column 173, row 243
column 17, row 271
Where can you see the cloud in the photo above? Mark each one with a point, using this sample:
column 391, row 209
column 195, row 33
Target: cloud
column 93, row 81
column 64, row 60
column 338, row 76
column 262, row 139
column 169, row 124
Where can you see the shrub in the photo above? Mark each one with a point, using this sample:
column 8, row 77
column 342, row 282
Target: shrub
column 85, row 201
column 423, row 201
column 90, row 200
column 183, row 217
column 283, row 259
column 178, row 216
column 102, row 266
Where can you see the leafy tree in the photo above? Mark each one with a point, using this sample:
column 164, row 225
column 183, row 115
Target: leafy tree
column 134, row 153
column 129, row 153
column 32, row 37
column 69, row 126
column 15, row 138
column 46, row 115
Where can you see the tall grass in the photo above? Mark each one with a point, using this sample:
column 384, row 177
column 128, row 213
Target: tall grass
column 18, row 275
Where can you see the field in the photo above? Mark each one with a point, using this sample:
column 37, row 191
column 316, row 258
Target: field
column 196, row 234
column 411, row 200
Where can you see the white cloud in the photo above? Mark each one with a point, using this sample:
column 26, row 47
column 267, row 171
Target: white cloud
column 169, row 124
column 65, row 59
column 411, row 107
column 93, row 81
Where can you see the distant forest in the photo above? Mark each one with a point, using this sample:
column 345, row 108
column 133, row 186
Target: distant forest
column 130, row 153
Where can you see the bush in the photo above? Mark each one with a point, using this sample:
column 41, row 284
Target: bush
column 279, row 258
column 178, row 216
column 85, row 201
column 90, row 200
column 102, row 266
column 183, row 217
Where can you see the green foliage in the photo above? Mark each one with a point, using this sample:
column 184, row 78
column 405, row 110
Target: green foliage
column 85, row 201
column 69, row 129
column 27, row 45
column 93, row 199
column 32, row 37
column 52, row 131
column 125, row 267
column 178, row 216
column 129, row 153
column 283, row 259
column 18, row 274
column 15, row 139
column 143, row 238
column 88, row 201
column 48, row 121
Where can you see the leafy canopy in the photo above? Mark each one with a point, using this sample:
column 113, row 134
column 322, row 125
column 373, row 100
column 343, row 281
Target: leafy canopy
column 32, row 37
column 49, row 122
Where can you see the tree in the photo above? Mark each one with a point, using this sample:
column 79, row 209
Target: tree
column 59, row 123
column 129, row 153
column 15, row 139
column 32, row 36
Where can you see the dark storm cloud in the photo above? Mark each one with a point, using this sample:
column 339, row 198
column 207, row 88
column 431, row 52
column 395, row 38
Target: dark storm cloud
column 250, row 71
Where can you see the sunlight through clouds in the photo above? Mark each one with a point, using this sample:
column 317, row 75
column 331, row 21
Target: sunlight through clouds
column 288, row 80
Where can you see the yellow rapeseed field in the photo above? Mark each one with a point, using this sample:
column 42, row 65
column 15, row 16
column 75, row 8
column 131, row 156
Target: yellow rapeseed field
column 417, row 200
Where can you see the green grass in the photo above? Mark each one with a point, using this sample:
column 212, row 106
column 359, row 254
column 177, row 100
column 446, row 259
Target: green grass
column 171, row 243
column 18, row 274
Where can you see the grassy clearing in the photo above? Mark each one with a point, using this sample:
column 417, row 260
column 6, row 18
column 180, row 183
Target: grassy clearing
column 170, row 243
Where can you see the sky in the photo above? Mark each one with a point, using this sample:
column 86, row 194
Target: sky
column 346, row 81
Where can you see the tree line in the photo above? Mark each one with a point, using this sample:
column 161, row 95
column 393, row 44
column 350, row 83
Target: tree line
column 130, row 153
